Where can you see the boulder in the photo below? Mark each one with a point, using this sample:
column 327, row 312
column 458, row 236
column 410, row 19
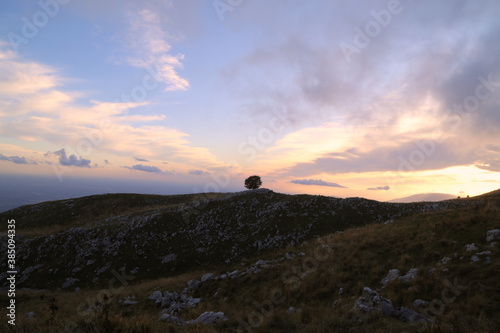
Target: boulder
column 392, row 275
column 471, row 247
column 207, row 277
column 193, row 284
column 155, row 295
column 207, row 318
column 419, row 303
column 410, row 316
column 172, row 319
column 410, row 276
column 492, row 235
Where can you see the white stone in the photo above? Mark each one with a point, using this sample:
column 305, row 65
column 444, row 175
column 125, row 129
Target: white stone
column 492, row 235
column 471, row 247
column 156, row 295
column 410, row 276
column 208, row 318
column 392, row 275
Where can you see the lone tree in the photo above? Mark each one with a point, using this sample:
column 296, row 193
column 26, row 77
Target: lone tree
column 253, row 182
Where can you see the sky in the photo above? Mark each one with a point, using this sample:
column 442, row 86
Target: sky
column 374, row 99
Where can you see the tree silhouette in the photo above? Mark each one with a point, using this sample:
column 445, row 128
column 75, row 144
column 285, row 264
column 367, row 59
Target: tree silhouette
column 253, row 182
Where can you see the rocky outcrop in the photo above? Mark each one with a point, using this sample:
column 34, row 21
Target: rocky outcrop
column 370, row 305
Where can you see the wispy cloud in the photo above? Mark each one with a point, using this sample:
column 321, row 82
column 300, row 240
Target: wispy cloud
column 42, row 112
column 379, row 188
column 148, row 41
column 318, row 182
column 140, row 159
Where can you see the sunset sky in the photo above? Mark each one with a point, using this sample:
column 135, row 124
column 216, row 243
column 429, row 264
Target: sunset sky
column 376, row 99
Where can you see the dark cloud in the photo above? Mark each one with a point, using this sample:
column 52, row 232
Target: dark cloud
column 71, row 160
column 318, row 182
column 436, row 50
column 410, row 156
column 17, row 159
column 106, row 162
column 198, row 172
column 145, row 168
column 140, row 159
column 493, row 165
column 379, row 188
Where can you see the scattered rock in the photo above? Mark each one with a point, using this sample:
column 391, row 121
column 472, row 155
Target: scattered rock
column 445, row 260
column 293, row 310
column 370, row 304
column 207, row 318
column 169, row 258
column 341, row 291
column 193, row 284
column 418, row 303
column 474, row 258
column 155, row 295
column 207, row 277
column 31, row 315
column 492, row 235
column 471, row 247
column 128, row 300
column 392, row 275
column 410, row 276
column 234, row 274
column 172, row 319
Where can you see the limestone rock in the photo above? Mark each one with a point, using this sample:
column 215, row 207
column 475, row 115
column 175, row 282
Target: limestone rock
column 410, row 276
column 492, row 235
column 207, row 318
column 392, row 275
column 471, row 247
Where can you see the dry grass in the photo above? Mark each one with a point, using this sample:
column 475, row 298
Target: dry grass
column 357, row 258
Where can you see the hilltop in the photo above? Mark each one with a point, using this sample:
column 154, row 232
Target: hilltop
column 228, row 252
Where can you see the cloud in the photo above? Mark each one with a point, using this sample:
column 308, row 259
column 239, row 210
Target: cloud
column 145, row 168
column 398, row 157
column 198, row 172
column 379, row 188
column 17, row 159
column 71, row 160
column 41, row 112
column 148, row 39
column 140, row 159
column 318, row 182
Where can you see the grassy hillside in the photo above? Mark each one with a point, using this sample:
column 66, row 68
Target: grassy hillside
column 463, row 295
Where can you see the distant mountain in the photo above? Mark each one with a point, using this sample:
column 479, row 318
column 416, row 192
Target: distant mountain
column 425, row 197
